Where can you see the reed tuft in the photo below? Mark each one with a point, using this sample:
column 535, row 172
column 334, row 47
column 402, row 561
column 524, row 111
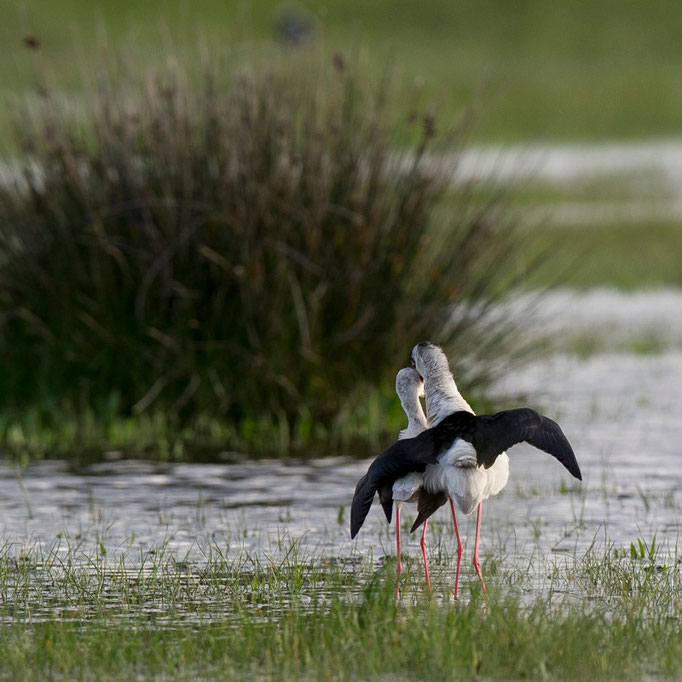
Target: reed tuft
column 246, row 244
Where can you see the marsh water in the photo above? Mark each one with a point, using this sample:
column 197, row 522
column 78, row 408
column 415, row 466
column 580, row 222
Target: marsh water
column 620, row 406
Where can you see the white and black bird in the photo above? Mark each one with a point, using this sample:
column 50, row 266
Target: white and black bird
column 461, row 457
column 457, row 476
column 410, row 388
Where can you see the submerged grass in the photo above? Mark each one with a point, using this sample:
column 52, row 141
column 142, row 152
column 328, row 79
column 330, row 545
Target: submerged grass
column 366, row 641
column 68, row 611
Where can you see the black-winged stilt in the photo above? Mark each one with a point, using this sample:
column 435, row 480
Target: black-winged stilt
column 467, row 485
column 410, row 387
column 461, row 456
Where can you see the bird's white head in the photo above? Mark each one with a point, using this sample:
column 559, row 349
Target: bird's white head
column 429, row 360
column 408, row 382
column 442, row 395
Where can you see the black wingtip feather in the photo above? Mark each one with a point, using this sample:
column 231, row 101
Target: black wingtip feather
column 550, row 438
column 362, row 501
column 399, row 459
column 386, row 499
column 418, row 521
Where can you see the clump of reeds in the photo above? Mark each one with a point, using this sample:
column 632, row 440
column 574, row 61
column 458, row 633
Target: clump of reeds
column 251, row 245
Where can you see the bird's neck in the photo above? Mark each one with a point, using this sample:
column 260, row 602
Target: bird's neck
column 416, row 419
column 443, row 398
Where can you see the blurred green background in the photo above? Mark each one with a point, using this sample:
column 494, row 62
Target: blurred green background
column 573, row 77
column 554, row 70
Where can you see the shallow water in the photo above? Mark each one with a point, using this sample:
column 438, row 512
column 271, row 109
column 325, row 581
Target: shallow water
column 621, row 411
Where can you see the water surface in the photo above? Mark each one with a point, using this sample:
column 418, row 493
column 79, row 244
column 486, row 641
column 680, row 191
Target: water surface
column 621, row 411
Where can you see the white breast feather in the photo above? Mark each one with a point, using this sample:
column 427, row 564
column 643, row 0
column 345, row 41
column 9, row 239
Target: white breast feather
column 498, row 475
column 411, row 431
column 460, row 454
column 458, row 475
column 405, row 487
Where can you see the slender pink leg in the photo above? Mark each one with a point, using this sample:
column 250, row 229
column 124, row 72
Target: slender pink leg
column 460, row 549
column 477, row 564
column 397, row 537
column 426, row 563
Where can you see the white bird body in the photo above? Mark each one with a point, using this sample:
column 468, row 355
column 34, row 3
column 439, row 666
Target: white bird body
column 458, row 475
column 457, row 472
column 405, row 489
column 410, row 388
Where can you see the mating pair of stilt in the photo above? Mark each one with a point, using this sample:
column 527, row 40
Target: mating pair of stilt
column 449, row 454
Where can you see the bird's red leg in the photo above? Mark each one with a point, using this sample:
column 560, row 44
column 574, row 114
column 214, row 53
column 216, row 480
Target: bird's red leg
column 460, row 549
column 397, row 539
column 477, row 563
column 426, row 563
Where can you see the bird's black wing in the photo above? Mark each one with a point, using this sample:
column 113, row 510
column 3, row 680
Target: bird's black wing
column 386, row 499
column 495, row 434
column 399, row 459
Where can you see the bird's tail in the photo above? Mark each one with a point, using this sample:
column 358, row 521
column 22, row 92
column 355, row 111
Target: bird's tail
column 362, row 501
column 427, row 504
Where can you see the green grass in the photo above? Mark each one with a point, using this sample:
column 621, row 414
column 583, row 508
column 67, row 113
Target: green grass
column 624, row 255
column 555, row 70
column 630, row 253
column 641, row 186
column 82, row 436
column 606, row 614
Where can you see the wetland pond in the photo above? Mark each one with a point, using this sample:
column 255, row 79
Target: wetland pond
column 619, row 404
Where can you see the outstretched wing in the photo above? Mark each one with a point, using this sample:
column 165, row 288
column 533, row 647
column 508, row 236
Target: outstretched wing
column 497, row 433
column 401, row 458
